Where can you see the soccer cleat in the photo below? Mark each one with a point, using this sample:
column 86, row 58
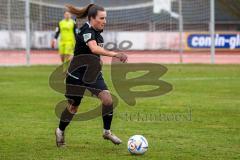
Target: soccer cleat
column 60, row 142
column 109, row 136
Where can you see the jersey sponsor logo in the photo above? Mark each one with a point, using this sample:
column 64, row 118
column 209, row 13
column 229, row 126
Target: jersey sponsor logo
column 87, row 36
column 222, row 41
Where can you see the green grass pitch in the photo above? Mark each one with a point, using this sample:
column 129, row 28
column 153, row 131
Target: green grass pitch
column 207, row 97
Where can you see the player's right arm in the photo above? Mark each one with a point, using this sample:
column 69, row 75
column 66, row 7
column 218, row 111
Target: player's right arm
column 57, row 33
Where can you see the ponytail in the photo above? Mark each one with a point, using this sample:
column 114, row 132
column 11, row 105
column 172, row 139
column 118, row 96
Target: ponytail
column 79, row 12
column 88, row 11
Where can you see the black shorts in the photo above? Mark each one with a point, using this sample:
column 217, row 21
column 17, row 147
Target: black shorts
column 75, row 88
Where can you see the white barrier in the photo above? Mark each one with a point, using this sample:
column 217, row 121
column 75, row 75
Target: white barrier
column 12, row 40
column 139, row 40
column 134, row 40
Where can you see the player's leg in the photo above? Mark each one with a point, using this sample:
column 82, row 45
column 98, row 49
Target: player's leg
column 61, row 51
column 66, row 118
column 107, row 108
column 69, row 112
column 62, row 57
column 67, row 57
column 107, row 116
column 67, row 54
column 99, row 88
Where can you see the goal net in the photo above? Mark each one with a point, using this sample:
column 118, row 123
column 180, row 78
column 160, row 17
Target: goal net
column 158, row 25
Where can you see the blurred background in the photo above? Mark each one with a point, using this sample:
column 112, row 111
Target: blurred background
column 159, row 31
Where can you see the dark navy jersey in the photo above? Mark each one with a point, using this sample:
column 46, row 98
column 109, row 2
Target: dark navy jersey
column 85, row 34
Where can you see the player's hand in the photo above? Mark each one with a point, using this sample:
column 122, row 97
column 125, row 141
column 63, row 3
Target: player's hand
column 53, row 43
column 122, row 57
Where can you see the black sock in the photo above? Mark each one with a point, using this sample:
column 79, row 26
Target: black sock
column 107, row 115
column 66, row 118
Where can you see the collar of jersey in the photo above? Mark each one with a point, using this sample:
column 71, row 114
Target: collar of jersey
column 93, row 28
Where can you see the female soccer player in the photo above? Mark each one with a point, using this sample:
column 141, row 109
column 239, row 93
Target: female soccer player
column 66, row 29
column 89, row 42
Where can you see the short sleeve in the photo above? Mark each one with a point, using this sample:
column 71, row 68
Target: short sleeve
column 88, row 35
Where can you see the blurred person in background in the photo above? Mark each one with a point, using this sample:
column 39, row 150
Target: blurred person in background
column 67, row 30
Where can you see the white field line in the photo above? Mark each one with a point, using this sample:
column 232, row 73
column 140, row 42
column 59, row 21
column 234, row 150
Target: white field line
column 202, row 78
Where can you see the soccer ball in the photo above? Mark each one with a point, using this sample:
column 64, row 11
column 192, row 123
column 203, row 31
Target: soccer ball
column 137, row 144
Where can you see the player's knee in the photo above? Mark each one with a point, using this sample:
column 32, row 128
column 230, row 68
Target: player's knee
column 74, row 101
column 73, row 105
column 106, row 98
column 107, row 105
column 72, row 109
column 107, row 101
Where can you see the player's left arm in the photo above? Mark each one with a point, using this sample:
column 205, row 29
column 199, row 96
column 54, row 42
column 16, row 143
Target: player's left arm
column 92, row 44
column 57, row 33
column 75, row 29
